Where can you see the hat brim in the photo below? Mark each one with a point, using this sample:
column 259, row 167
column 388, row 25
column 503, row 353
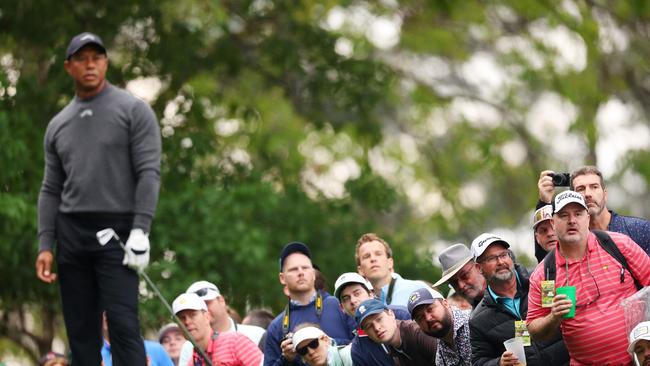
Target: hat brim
column 630, row 348
column 337, row 291
column 449, row 273
column 370, row 313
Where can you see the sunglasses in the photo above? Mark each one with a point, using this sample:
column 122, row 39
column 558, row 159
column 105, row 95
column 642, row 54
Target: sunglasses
column 204, row 291
column 303, row 350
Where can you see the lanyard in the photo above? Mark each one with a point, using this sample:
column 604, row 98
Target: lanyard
column 285, row 319
column 199, row 360
column 391, row 287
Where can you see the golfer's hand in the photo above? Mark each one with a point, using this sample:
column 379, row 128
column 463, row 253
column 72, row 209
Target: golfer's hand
column 44, row 266
column 136, row 250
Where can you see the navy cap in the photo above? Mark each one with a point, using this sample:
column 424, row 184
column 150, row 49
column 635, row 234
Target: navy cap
column 294, row 247
column 81, row 40
column 367, row 308
column 422, row 296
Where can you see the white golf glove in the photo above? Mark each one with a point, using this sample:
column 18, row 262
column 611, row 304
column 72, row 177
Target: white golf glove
column 136, row 250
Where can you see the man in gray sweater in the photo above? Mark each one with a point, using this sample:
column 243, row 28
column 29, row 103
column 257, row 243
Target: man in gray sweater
column 102, row 170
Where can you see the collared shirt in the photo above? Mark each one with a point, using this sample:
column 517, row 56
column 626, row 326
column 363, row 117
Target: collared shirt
column 597, row 333
column 460, row 354
column 251, row 332
column 229, row 349
column 636, row 228
column 512, row 304
column 401, row 290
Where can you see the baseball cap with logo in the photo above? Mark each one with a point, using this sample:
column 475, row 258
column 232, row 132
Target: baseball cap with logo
column 348, row 278
column 367, row 308
column 564, row 198
column 452, row 260
column 422, row 296
column 188, row 302
column 204, row 289
column 80, row 40
column 641, row 331
column 483, row 241
column 542, row 214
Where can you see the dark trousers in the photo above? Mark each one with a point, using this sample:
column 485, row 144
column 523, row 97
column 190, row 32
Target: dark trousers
column 92, row 279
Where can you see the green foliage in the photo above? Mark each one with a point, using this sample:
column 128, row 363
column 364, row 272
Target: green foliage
column 251, row 88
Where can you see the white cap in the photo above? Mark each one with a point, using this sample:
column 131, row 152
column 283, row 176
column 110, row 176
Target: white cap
column 305, row 334
column 483, row 241
column 641, row 331
column 564, row 198
column 188, row 302
column 347, row 278
column 542, row 214
column 204, row 289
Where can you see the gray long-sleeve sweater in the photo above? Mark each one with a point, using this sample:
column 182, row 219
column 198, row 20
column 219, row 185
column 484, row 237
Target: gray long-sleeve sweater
column 102, row 155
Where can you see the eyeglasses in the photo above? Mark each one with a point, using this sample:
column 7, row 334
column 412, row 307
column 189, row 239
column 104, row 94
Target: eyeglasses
column 493, row 258
column 303, row 350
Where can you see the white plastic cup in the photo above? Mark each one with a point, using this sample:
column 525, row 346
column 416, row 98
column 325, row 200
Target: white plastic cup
column 516, row 346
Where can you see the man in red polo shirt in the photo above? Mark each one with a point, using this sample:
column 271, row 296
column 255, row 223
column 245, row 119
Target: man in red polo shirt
column 596, row 335
column 229, row 348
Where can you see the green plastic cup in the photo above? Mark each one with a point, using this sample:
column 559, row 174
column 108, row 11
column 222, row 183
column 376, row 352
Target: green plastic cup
column 570, row 292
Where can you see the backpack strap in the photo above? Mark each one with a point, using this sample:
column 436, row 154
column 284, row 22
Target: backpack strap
column 549, row 265
column 611, row 248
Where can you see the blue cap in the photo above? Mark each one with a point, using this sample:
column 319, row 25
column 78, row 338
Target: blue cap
column 294, row 247
column 367, row 308
column 81, row 40
column 422, row 296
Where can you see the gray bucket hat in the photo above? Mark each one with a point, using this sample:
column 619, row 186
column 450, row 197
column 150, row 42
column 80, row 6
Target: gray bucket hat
column 452, row 260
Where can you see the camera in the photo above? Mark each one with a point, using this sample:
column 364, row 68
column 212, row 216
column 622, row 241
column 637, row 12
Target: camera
column 561, row 179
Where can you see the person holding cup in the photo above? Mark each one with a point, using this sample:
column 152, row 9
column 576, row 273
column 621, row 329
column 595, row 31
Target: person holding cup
column 501, row 315
column 596, row 333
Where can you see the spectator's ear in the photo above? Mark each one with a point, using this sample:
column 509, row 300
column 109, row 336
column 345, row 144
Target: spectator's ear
column 282, row 281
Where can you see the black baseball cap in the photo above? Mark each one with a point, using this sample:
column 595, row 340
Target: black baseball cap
column 293, row 247
column 81, row 40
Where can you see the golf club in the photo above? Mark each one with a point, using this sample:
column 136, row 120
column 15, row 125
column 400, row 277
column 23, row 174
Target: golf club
column 106, row 235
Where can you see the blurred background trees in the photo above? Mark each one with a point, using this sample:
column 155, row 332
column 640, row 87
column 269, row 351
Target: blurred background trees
column 427, row 122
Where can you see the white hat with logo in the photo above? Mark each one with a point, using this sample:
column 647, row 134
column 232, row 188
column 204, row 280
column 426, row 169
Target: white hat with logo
column 485, row 240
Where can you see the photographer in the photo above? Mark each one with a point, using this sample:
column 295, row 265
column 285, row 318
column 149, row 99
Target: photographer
column 588, row 181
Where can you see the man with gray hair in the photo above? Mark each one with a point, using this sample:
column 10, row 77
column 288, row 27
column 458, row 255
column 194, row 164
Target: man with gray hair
column 462, row 273
column 501, row 315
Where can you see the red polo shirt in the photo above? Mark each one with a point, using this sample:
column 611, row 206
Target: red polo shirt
column 596, row 335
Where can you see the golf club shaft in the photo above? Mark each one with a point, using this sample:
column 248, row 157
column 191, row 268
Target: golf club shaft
column 169, row 308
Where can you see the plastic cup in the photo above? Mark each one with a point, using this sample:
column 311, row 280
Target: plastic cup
column 570, row 292
column 516, row 346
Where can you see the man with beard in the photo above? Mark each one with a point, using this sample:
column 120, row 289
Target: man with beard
column 596, row 334
column 436, row 318
column 502, row 313
column 462, row 273
column 588, row 181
